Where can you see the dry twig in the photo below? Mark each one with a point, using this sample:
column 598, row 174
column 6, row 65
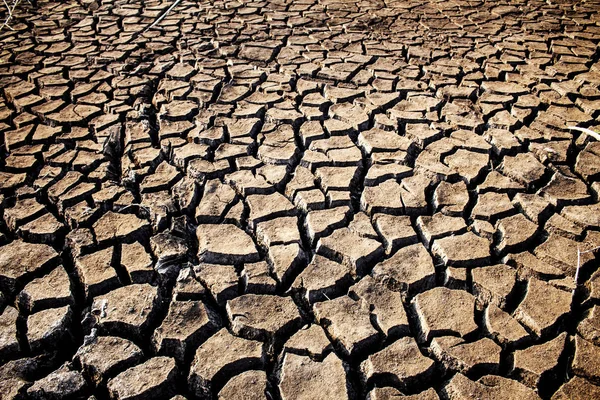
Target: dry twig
column 587, row 131
column 9, row 10
column 162, row 16
column 579, row 253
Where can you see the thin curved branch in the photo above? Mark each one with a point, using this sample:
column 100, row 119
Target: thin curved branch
column 587, row 131
column 10, row 12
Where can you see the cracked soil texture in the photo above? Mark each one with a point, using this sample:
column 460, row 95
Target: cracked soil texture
column 314, row 199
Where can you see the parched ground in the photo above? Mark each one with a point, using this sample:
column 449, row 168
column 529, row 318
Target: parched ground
column 315, row 199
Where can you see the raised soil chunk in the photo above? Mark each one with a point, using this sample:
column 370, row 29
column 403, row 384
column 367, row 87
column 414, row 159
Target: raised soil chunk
column 468, row 164
column 535, row 207
column 593, row 286
column 508, row 88
column 154, row 379
column 378, row 140
column 347, row 322
column 321, row 223
column 256, row 278
column 562, row 226
column 127, row 310
column 8, row 180
column 168, row 249
column 451, row 198
column 264, row 207
column 282, row 230
column 457, row 278
column 19, row 260
column 409, row 270
column 586, row 362
column 51, row 290
column 215, row 201
column 263, row 317
column 480, row 356
column 589, row 328
column 489, row 387
column 187, row 324
column 515, row 233
column 349, row 248
column 74, row 113
column 379, row 173
column 529, row 265
column 221, row 281
column 543, row 308
column 588, row 162
column 496, row 182
column 438, row 226
column 309, row 341
column 494, row 284
column 466, row 250
column 104, row 356
column 523, row 168
column 163, row 178
column 361, row 225
column 399, row 364
column 304, row 379
column 323, row 279
column 561, row 253
column 395, row 230
column 389, row 393
column 137, row 262
column 187, row 286
column 483, row 229
column 309, row 200
column 96, row 273
column 577, row 389
column 23, row 211
column 178, row 110
column 14, row 377
column 564, row 190
column 588, row 215
column 8, row 332
column 442, row 311
column 286, row 261
column 384, row 198
column 249, row 385
column 225, row 244
column 504, row 328
column 121, row 227
column 491, row 206
column 79, row 241
column 230, row 355
column 386, row 306
column 62, row 383
column 538, row 362
column 45, row 229
column 413, row 192
column 46, row 329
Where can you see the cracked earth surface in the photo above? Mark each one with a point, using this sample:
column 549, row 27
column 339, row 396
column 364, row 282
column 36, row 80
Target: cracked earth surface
column 315, row 199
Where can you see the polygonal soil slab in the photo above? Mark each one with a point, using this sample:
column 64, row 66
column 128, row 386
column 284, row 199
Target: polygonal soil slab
column 230, row 356
column 102, row 356
column 399, row 364
column 19, row 259
column 127, row 310
column 303, row 378
column 263, row 317
column 348, row 322
column 443, row 311
column 225, row 244
column 154, row 379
